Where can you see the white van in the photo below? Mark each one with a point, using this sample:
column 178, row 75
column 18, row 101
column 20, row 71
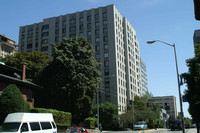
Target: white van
column 29, row 123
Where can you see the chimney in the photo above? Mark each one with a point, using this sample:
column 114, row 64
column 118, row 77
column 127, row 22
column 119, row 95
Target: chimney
column 23, row 70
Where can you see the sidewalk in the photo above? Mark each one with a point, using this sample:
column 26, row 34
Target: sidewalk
column 141, row 131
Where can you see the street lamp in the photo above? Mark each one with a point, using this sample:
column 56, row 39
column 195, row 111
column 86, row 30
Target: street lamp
column 179, row 90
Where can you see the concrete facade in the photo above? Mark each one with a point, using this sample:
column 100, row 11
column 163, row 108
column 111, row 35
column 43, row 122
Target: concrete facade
column 144, row 80
column 112, row 37
column 7, row 46
column 196, row 40
column 169, row 104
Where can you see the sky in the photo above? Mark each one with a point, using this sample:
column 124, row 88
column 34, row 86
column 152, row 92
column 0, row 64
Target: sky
column 171, row 21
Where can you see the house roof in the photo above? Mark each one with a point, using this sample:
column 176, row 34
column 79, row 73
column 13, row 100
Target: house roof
column 13, row 75
column 19, row 81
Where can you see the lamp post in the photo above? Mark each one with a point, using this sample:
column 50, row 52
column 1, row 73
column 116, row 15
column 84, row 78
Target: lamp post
column 179, row 90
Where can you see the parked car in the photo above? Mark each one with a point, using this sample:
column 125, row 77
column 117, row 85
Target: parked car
column 140, row 125
column 187, row 125
column 76, row 130
column 193, row 126
column 175, row 124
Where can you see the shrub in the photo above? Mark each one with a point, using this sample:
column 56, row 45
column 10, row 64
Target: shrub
column 90, row 122
column 62, row 119
column 11, row 101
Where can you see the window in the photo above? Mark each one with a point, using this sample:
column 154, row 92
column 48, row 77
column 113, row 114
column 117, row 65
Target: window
column 97, row 56
column 72, row 21
column 89, row 25
column 105, row 46
column 106, row 63
column 96, row 16
column 24, row 127
column 81, row 19
column 104, row 15
column 45, row 34
column 97, row 32
column 54, row 126
column 81, row 34
column 106, row 55
column 90, row 40
column 89, row 18
column 96, row 24
column 72, row 28
column 106, row 72
column 45, row 41
column 44, row 48
column 64, row 30
column 105, row 22
column 56, row 39
column 97, row 48
column 29, row 46
column 64, row 23
column 72, row 35
column 34, row 126
column 105, row 38
column 23, row 33
column 107, row 81
column 81, row 27
column 57, row 32
column 105, row 30
column 29, row 39
column 89, row 33
column 45, row 27
column 30, row 32
column 97, row 39
column 46, row 125
column 57, row 24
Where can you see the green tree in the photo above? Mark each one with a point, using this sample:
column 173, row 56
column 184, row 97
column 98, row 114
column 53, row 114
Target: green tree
column 108, row 114
column 70, row 80
column 145, row 109
column 11, row 101
column 192, row 78
column 35, row 62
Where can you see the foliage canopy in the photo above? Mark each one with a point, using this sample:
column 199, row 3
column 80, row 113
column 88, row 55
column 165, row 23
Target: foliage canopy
column 192, row 78
column 11, row 101
column 70, row 79
column 35, row 62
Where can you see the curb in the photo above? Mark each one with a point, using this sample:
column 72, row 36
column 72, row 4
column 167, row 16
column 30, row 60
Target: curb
column 150, row 130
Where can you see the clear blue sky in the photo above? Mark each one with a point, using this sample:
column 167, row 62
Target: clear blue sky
column 171, row 21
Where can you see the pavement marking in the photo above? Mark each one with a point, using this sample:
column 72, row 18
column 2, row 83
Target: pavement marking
column 150, row 130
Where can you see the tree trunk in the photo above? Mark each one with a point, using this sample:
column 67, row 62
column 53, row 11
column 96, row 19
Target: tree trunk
column 197, row 126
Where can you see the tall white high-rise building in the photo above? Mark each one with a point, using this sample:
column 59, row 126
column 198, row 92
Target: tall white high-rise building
column 113, row 38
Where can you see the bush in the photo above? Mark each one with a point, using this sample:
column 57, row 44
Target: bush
column 62, row 119
column 11, row 101
column 90, row 122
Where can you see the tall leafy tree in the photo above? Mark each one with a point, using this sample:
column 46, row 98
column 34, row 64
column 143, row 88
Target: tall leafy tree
column 145, row 109
column 192, row 78
column 35, row 62
column 108, row 113
column 70, row 80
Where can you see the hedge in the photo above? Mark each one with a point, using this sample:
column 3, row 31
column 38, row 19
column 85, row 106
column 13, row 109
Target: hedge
column 90, row 122
column 62, row 119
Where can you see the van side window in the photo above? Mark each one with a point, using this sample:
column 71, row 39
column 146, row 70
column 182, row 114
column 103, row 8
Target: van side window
column 24, row 127
column 54, row 126
column 46, row 125
column 35, row 126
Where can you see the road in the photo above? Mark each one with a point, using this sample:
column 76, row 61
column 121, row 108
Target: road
column 191, row 130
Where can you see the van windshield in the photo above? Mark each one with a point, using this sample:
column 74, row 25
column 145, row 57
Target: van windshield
column 10, row 127
column 140, row 123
